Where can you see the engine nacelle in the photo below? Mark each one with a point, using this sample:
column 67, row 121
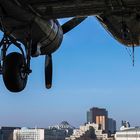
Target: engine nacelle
column 49, row 36
column 46, row 34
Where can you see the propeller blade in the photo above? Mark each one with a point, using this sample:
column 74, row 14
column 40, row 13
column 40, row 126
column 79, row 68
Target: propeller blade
column 68, row 26
column 48, row 71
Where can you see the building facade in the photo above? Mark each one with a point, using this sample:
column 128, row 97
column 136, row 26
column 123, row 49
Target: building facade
column 39, row 134
column 111, row 126
column 6, row 133
column 64, row 126
column 28, row 134
column 98, row 116
column 88, row 131
column 128, row 134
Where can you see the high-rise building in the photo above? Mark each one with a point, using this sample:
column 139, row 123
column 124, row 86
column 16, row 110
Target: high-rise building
column 111, row 126
column 98, row 116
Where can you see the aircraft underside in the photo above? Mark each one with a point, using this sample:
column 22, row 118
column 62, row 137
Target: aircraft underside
column 33, row 23
column 125, row 29
column 120, row 17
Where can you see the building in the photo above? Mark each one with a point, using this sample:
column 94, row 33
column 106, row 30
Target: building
column 28, row 134
column 98, row 116
column 55, row 134
column 58, row 132
column 63, row 126
column 6, row 133
column 128, row 133
column 88, row 131
column 38, row 134
column 111, row 126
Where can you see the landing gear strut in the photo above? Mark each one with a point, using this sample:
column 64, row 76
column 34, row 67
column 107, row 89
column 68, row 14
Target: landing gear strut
column 14, row 67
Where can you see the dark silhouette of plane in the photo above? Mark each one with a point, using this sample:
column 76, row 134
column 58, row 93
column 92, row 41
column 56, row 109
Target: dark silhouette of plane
column 34, row 24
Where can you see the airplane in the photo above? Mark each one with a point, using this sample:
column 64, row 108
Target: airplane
column 34, row 23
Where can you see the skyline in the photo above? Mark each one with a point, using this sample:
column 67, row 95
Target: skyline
column 103, row 77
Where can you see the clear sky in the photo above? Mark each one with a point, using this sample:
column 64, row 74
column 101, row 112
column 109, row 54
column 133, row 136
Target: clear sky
column 90, row 69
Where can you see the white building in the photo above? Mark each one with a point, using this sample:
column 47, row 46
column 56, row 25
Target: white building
column 131, row 133
column 28, row 134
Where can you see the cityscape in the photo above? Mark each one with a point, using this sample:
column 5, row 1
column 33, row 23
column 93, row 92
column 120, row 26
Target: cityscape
column 98, row 126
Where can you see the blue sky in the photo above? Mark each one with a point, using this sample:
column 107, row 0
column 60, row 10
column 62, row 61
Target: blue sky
column 90, row 69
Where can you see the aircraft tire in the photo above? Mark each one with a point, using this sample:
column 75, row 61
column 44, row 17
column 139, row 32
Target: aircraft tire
column 13, row 76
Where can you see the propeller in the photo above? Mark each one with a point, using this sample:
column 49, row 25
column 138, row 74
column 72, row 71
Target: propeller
column 48, row 71
column 68, row 26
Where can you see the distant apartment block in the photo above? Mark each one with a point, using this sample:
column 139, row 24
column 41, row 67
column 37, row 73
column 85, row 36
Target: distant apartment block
column 111, row 126
column 98, row 116
column 6, row 133
column 28, row 134
column 58, row 132
column 88, row 131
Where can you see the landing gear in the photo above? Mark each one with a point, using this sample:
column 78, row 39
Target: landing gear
column 14, row 67
column 14, row 76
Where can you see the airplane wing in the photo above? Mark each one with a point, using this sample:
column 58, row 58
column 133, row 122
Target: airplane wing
column 71, row 8
column 65, row 8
